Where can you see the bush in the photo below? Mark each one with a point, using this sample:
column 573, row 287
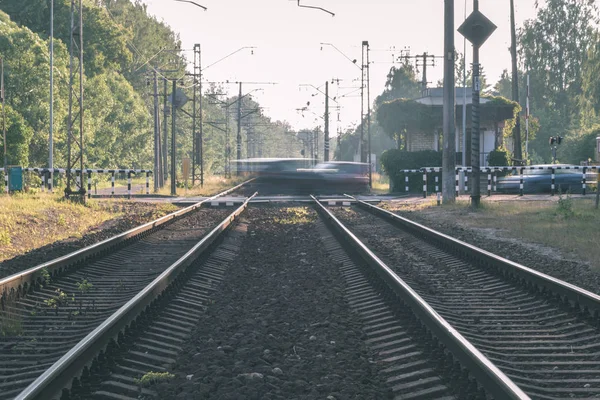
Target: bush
column 394, row 161
column 498, row 158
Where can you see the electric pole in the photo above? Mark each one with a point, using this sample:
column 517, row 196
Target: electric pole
column 76, row 50
column 3, row 112
column 166, row 130
column 362, row 149
column 518, row 154
column 369, row 117
column 156, row 136
column 51, row 127
column 197, row 128
column 173, row 169
column 326, row 133
column 449, row 146
column 239, row 127
column 423, row 60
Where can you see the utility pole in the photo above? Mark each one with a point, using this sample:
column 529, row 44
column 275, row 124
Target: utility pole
column 369, row 117
column 198, row 141
column 239, row 129
column 166, row 130
column 326, row 133
column 51, row 127
column 518, row 154
column 449, row 147
column 3, row 112
column 173, row 168
column 362, row 146
column 423, row 60
column 156, row 136
column 464, row 107
column 73, row 159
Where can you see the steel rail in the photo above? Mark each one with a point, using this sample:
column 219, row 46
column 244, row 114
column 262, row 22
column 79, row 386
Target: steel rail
column 579, row 298
column 487, row 374
column 59, row 375
column 19, row 280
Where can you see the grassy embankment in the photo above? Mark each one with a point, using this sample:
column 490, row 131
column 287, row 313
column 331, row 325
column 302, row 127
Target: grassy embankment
column 212, row 185
column 568, row 224
column 29, row 221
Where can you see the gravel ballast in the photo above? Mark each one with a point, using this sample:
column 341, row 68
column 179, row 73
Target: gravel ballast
column 279, row 326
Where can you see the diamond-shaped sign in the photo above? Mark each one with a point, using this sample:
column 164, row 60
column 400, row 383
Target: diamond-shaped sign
column 477, row 28
column 180, row 98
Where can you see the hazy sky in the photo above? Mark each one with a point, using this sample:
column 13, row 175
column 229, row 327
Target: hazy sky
column 288, row 50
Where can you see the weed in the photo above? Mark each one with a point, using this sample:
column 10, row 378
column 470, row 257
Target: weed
column 45, row 276
column 61, row 220
column 152, row 378
column 565, row 206
column 84, row 286
column 4, row 237
column 296, row 216
column 58, row 300
column 10, row 322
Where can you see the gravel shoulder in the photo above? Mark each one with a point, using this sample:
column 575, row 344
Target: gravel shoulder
column 462, row 224
column 279, row 327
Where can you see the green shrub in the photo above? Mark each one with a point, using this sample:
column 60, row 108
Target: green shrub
column 498, row 158
column 394, row 161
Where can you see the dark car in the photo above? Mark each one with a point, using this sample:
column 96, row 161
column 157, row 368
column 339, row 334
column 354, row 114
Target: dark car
column 539, row 180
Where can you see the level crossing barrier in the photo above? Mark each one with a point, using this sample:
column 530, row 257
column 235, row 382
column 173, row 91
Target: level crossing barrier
column 492, row 176
column 46, row 175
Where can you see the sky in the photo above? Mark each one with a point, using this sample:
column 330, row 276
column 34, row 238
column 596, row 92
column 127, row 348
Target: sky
column 288, row 60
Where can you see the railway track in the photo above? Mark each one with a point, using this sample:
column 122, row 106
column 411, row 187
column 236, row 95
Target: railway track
column 473, row 335
column 148, row 332
column 47, row 309
column 541, row 332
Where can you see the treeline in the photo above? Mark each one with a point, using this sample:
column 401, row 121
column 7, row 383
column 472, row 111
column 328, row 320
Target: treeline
column 560, row 50
column 121, row 44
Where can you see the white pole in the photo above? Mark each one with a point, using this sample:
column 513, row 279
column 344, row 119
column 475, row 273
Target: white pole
column 50, row 138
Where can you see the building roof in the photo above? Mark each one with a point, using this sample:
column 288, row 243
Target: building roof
column 435, row 96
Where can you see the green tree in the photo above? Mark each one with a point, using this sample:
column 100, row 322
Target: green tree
column 589, row 99
column 18, row 136
column 119, row 132
column 104, row 40
column 26, row 66
column 401, row 83
column 553, row 47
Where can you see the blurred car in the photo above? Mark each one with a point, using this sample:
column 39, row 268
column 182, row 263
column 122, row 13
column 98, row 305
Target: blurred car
column 338, row 176
column 540, row 180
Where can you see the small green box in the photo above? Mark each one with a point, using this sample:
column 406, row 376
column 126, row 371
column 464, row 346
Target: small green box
column 15, row 178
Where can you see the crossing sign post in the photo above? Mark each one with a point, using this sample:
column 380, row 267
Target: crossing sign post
column 477, row 28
